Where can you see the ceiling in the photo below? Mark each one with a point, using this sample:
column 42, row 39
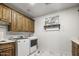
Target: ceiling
column 40, row 9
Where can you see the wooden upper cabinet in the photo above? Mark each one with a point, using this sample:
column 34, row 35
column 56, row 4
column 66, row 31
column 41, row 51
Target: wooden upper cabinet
column 16, row 24
column 25, row 24
column 14, row 21
column 31, row 25
column 0, row 11
column 6, row 14
column 19, row 22
column 28, row 25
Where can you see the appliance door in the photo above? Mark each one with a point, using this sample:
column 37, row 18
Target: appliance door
column 33, row 42
column 33, row 45
column 23, row 47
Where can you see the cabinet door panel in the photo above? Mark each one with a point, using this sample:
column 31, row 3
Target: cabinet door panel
column 7, row 52
column 8, row 49
column 25, row 24
column 31, row 25
column 75, row 49
column 6, row 14
column 14, row 21
column 19, row 22
column 0, row 11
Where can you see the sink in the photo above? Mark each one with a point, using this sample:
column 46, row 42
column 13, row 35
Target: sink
column 3, row 41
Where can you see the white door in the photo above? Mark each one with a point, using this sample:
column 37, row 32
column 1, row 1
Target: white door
column 23, row 47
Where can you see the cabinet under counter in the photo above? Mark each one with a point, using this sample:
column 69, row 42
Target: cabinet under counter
column 75, row 47
column 7, row 49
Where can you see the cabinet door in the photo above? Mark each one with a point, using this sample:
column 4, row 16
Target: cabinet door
column 6, row 14
column 14, row 21
column 31, row 25
column 0, row 11
column 7, row 52
column 75, row 49
column 19, row 22
column 8, row 49
column 25, row 24
column 77, row 52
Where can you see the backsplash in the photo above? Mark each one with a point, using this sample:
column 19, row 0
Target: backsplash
column 18, row 34
column 5, row 34
column 3, row 30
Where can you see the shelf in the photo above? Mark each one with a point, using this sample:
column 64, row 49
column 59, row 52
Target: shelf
column 52, row 26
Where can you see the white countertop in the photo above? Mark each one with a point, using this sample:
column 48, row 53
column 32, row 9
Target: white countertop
column 14, row 40
column 76, row 40
column 32, row 37
column 6, row 41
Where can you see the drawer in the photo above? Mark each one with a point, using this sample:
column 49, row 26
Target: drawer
column 7, row 52
column 6, row 45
